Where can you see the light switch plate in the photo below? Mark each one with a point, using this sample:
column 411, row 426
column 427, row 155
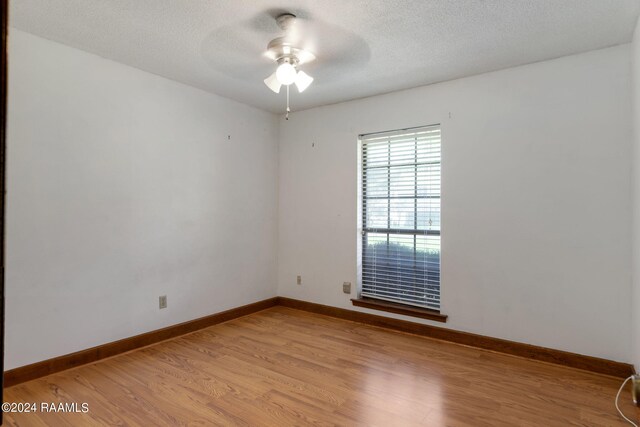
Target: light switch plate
column 162, row 301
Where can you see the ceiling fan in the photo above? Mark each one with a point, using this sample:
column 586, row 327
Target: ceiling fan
column 288, row 53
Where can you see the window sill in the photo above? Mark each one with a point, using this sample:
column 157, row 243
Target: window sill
column 393, row 307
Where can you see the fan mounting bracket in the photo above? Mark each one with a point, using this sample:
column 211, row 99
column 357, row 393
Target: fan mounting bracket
column 285, row 20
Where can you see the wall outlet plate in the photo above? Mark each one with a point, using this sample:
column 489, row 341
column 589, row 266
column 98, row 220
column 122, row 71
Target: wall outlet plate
column 162, row 301
column 346, row 287
column 635, row 389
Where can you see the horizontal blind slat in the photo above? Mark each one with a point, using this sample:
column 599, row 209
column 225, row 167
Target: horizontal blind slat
column 428, row 303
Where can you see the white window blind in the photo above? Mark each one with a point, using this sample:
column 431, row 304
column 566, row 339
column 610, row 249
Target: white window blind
column 401, row 216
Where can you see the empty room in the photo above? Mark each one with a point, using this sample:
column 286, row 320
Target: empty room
column 350, row 213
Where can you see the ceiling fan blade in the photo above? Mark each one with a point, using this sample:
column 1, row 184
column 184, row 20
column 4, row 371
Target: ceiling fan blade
column 303, row 80
column 305, row 56
column 273, row 83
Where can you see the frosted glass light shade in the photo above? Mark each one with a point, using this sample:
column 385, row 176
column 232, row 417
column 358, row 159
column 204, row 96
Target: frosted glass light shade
column 286, row 73
column 303, row 80
column 273, row 83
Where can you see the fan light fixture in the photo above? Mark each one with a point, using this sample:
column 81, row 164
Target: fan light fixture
column 285, row 75
column 289, row 57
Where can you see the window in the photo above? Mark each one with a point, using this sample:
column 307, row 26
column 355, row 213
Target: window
column 400, row 201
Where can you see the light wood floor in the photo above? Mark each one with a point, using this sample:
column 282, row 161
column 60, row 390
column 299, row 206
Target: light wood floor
column 284, row 367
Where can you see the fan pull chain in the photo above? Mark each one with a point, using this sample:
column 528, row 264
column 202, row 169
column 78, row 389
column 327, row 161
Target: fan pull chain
column 288, row 109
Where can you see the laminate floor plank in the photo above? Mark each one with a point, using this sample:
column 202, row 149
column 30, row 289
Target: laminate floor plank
column 282, row 367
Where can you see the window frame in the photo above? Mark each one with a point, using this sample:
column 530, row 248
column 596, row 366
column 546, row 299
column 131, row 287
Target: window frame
column 376, row 301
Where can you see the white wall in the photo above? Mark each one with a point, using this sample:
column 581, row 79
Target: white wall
column 123, row 186
column 536, row 209
column 635, row 299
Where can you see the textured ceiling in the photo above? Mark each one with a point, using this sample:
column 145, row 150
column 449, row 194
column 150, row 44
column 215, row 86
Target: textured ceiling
column 363, row 48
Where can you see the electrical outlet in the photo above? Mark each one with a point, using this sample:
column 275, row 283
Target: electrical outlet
column 635, row 389
column 299, row 280
column 162, row 301
column 346, row 287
